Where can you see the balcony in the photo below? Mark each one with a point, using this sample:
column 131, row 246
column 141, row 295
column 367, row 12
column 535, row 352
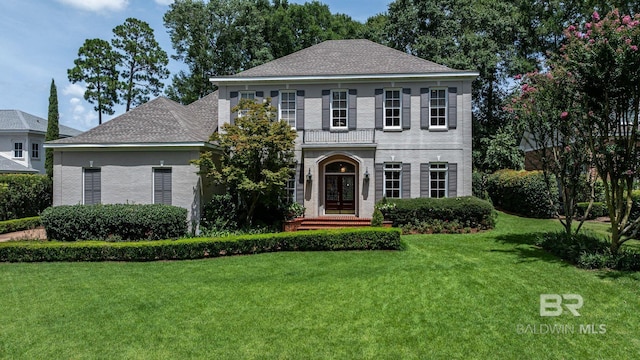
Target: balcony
column 358, row 137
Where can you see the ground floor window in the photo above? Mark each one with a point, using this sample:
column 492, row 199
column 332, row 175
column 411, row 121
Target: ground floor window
column 92, row 186
column 438, row 180
column 162, row 186
column 393, row 180
column 290, row 194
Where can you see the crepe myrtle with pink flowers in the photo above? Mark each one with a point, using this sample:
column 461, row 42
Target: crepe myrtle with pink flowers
column 596, row 79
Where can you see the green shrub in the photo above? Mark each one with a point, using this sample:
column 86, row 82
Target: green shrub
column 479, row 185
column 119, row 221
column 220, row 214
column 19, row 224
column 377, row 219
column 523, row 192
column 468, row 212
column 23, row 195
column 197, row 248
column 598, row 209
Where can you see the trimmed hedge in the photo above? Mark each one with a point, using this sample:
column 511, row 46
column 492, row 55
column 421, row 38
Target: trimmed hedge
column 522, row 192
column 19, row 224
column 598, row 209
column 468, row 211
column 24, row 195
column 197, row 248
column 115, row 222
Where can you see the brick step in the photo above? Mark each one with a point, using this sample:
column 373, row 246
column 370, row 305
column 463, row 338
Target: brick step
column 333, row 222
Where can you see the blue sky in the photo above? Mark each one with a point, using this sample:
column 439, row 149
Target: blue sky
column 39, row 39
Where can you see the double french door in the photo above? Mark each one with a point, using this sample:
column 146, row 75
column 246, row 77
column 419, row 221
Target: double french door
column 340, row 194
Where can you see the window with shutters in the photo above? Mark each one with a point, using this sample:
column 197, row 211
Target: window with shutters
column 392, row 180
column 438, row 180
column 246, row 95
column 392, row 109
column 288, row 107
column 438, row 108
column 339, row 109
column 92, row 186
column 162, row 186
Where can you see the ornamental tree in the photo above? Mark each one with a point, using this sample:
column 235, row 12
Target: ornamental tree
column 602, row 57
column 257, row 158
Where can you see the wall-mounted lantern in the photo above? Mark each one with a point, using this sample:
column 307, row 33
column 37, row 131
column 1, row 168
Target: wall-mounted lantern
column 309, row 176
column 366, row 174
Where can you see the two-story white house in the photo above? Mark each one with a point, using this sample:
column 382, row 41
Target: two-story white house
column 371, row 122
column 21, row 141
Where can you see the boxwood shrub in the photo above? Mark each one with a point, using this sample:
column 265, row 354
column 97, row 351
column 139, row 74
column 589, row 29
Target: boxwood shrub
column 523, row 192
column 197, row 248
column 468, row 212
column 114, row 222
column 23, row 195
column 598, row 209
column 19, row 224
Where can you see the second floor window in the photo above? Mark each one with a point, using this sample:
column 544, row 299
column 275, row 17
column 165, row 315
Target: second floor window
column 438, row 108
column 392, row 109
column 246, row 95
column 392, row 180
column 339, row 109
column 17, row 150
column 288, row 107
column 35, row 151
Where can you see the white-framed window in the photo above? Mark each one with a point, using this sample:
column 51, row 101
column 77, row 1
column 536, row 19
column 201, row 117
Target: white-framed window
column 392, row 108
column 35, row 150
column 290, row 189
column 246, row 95
column 18, row 150
column 438, row 180
column 339, row 109
column 393, row 180
column 288, row 106
column 438, row 108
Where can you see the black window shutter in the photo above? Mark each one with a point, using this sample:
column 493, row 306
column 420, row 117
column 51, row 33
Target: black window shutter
column 326, row 108
column 453, row 180
column 379, row 117
column 353, row 114
column 274, row 102
column 299, row 184
column 424, row 180
column 233, row 99
column 379, row 179
column 406, row 109
column 259, row 96
column 424, row 108
column 406, row 181
column 300, row 110
column 453, row 108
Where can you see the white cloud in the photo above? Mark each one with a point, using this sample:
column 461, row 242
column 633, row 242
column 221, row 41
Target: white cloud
column 74, row 90
column 97, row 5
column 80, row 118
column 164, row 2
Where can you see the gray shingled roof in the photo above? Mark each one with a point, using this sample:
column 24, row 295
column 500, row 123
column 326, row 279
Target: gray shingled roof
column 345, row 57
column 10, row 166
column 160, row 120
column 16, row 120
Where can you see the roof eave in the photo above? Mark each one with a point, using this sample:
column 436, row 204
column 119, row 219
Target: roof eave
column 128, row 145
column 453, row 75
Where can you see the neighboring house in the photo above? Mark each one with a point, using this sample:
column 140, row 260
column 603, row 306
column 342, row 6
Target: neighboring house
column 142, row 157
column 371, row 122
column 21, row 138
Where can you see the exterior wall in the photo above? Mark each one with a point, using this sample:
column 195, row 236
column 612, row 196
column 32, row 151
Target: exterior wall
column 6, row 149
column 414, row 145
column 127, row 176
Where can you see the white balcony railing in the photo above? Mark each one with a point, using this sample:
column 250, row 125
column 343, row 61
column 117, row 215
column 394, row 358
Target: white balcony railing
column 358, row 136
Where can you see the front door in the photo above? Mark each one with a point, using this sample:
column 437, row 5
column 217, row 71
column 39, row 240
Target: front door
column 340, row 194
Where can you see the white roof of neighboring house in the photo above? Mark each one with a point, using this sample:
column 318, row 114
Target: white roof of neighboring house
column 20, row 121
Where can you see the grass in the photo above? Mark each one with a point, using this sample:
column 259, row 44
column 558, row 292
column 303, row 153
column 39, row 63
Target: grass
column 445, row 296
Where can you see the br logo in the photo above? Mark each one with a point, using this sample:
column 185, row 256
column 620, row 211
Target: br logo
column 552, row 304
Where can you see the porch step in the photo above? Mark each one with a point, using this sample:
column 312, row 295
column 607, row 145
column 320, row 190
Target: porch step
column 333, row 222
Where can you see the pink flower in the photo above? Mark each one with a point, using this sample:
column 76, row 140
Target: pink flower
column 627, row 41
column 595, row 16
column 571, row 28
column 626, row 19
column 587, row 25
column 634, row 47
column 517, row 77
column 564, row 115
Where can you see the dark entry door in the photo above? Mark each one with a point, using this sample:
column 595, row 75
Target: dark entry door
column 340, row 194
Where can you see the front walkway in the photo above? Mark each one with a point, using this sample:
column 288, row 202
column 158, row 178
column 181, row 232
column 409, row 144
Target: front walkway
column 32, row 234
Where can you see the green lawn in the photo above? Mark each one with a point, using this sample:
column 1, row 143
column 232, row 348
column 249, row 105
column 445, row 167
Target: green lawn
column 445, row 296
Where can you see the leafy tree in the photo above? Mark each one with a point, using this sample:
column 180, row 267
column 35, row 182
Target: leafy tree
column 53, row 128
column 603, row 57
column 143, row 62
column 96, row 67
column 257, row 158
column 547, row 108
column 502, row 152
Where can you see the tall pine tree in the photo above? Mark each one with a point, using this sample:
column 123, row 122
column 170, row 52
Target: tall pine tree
column 53, row 129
